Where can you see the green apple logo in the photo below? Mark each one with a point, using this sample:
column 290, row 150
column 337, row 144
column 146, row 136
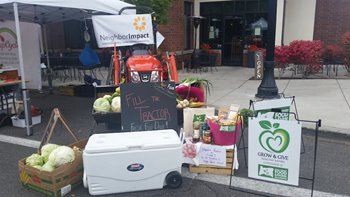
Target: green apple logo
column 273, row 141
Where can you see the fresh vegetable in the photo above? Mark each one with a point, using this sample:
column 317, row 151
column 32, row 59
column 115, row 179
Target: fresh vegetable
column 182, row 103
column 101, row 105
column 187, row 92
column 34, row 160
column 47, row 167
column 46, row 150
column 199, row 83
column 61, row 155
column 108, row 97
column 115, row 106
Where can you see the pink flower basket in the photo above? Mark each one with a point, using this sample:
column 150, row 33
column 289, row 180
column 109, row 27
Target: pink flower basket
column 227, row 137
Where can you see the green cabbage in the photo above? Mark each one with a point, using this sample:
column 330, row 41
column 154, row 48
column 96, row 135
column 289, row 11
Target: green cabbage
column 115, row 106
column 61, row 155
column 47, row 167
column 37, row 167
column 108, row 97
column 102, row 105
column 46, row 150
column 34, row 160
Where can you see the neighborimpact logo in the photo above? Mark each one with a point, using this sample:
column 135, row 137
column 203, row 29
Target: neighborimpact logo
column 273, row 139
column 5, row 42
column 140, row 23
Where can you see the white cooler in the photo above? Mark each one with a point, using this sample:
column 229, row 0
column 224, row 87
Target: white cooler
column 132, row 161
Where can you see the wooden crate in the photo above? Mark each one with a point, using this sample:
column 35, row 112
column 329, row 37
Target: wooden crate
column 66, row 90
column 215, row 169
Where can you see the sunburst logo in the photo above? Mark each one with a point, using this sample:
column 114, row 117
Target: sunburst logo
column 140, row 23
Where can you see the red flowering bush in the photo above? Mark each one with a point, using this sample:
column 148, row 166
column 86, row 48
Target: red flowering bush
column 300, row 52
column 252, row 47
column 306, row 52
column 345, row 41
column 282, row 54
column 331, row 53
column 205, row 46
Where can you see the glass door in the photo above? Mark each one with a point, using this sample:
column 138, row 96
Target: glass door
column 233, row 41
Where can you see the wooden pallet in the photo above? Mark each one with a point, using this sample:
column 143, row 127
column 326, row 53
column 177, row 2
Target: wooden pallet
column 215, row 169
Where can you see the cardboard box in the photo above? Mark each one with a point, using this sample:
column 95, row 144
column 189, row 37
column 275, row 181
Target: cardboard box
column 16, row 122
column 56, row 183
column 209, row 169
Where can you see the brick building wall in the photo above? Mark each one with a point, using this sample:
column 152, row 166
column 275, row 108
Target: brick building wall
column 331, row 20
column 174, row 31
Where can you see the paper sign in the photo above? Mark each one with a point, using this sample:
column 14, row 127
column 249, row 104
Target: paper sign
column 212, row 155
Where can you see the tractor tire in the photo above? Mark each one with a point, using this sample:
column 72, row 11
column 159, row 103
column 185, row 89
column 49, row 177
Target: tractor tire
column 173, row 180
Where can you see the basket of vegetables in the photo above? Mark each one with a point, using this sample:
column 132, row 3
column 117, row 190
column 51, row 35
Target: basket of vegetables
column 53, row 168
column 192, row 92
column 107, row 106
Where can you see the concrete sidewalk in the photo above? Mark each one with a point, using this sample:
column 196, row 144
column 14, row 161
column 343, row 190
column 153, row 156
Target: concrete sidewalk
column 325, row 99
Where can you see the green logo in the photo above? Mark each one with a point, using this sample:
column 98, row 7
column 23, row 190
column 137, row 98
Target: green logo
column 273, row 141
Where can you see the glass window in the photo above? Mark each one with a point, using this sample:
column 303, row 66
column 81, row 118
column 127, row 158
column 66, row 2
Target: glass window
column 187, row 23
column 264, row 5
column 252, row 6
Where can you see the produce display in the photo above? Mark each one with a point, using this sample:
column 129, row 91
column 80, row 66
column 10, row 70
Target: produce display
column 191, row 92
column 108, row 103
column 52, row 156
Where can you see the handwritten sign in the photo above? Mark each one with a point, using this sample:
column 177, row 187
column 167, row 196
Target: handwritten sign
column 212, row 155
column 148, row 106
column 259, row 65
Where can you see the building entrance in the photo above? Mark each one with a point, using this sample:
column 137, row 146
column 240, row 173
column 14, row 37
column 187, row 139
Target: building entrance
column 233, row 41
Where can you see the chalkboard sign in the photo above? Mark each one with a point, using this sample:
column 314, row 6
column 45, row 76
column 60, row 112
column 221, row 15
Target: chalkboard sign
column 148, row 106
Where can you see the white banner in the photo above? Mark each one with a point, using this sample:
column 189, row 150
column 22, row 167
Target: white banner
column 274, row 150
column 30, row 47
column 263, row 108
column 124, row 30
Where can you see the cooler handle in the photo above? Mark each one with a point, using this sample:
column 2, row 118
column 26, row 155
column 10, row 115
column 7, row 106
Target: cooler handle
column 182, row 136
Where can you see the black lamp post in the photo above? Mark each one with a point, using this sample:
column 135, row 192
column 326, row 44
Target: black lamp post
column 195, row 55
column 268, row 88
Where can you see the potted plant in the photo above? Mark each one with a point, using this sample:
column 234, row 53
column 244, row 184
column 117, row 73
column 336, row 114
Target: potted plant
column 246, row 113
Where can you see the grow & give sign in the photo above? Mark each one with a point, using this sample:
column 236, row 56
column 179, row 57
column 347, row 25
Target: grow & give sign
column 274, row 150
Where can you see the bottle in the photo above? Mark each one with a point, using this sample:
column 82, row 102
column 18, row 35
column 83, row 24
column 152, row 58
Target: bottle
column 206, row 136
column 195, row 136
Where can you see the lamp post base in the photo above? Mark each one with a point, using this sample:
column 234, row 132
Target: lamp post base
column 268, row 88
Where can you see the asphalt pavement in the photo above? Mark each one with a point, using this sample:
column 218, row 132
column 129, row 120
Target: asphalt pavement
column 316, row 98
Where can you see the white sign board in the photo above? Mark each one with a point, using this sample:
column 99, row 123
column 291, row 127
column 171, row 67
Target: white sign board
column 124, row 30
column 263, row 108
column 30, row 47
column 212, row 155
column 274, row 150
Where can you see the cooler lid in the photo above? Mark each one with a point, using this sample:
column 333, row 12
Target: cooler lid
column 126, row 141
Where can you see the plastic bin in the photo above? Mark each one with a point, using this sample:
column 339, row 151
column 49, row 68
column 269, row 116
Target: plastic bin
column 16, row 122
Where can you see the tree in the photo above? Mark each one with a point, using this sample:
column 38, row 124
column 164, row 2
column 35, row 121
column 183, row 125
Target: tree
column 160, row 8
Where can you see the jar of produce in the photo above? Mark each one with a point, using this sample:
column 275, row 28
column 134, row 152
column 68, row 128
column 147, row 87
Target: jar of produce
column 196, row 136
column 207, row 137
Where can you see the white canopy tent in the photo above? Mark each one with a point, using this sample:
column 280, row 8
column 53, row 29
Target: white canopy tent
column 48, row 11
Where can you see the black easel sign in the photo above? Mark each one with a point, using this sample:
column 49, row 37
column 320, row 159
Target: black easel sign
column 148, row 106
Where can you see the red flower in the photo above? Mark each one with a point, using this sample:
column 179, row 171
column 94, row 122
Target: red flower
column 205, row 46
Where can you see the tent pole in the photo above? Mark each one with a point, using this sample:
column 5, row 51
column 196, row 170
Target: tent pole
column 49, row 73
column 25, row 92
